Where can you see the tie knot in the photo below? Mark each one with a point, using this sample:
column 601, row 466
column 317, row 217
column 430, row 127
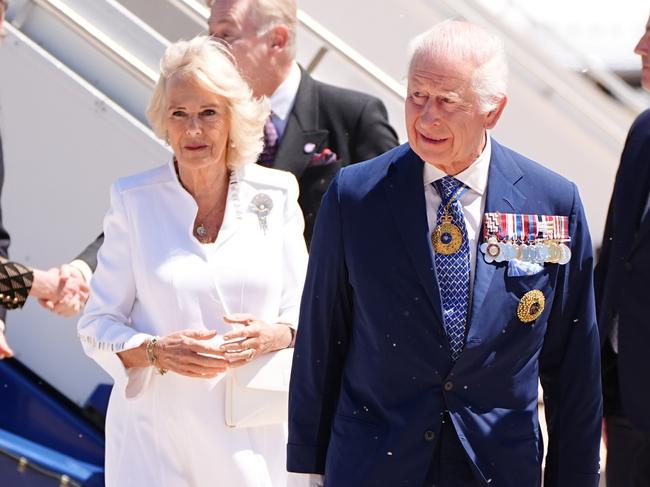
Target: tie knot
column 447, row 187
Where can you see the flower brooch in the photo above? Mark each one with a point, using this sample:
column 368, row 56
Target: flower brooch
column 261, row 205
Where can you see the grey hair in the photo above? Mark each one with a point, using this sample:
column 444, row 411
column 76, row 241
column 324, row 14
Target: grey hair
column 266, row 14
column 454, row 39
column 210, row 63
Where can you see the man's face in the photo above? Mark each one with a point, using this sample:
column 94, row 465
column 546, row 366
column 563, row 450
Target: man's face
column 643, row 50
column 444, row 122
column 230, row 20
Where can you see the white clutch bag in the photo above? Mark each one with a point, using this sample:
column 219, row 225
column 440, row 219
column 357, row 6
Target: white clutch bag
column 257, row 394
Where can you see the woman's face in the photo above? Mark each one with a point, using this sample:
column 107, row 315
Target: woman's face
column 198, row 122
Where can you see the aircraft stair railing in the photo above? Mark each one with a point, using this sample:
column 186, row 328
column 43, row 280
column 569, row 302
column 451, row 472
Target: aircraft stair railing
column 319, row 50
column 102, row 42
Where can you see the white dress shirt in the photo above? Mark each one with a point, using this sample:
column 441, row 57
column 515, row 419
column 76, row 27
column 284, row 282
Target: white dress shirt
column 473, row 200
column 283, row 98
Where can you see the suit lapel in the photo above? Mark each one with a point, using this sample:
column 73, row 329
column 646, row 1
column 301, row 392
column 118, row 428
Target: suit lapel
column 502, row 196
column 302, row 130
column 404, row 189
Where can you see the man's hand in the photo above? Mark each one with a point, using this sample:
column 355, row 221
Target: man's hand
column 5, row 349
column 64, row 291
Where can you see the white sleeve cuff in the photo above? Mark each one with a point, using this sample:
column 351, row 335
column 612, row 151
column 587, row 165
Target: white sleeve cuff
column 83, row 268
column 129, row 382
column 316, row 480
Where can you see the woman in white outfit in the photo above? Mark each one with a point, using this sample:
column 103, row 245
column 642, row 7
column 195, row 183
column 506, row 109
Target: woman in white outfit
column 191, row 248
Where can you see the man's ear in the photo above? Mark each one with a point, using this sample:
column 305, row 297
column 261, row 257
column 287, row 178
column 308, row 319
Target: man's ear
column 279, row 37
column 494, row 115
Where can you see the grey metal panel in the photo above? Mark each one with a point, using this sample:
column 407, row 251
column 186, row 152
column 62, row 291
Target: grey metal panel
column 64, row 143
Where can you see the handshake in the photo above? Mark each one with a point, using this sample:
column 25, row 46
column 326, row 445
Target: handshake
column 62, row 290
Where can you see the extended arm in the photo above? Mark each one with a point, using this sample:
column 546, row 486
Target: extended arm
column 321, row 343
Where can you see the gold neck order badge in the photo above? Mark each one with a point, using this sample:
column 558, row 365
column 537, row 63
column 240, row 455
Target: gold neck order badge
column 447, row 238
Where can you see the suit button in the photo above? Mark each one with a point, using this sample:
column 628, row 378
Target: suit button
column 449, row 385
column 429, row 435
column 628, row 266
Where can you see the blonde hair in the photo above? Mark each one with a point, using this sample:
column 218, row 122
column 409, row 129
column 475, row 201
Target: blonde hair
column 211, row 64
column 454, row 39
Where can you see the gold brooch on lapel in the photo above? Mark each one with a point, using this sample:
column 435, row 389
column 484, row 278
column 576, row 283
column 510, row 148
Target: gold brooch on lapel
column 531, row 306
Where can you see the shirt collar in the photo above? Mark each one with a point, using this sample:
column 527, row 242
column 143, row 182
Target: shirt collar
column 283, row 97
column 475, row 176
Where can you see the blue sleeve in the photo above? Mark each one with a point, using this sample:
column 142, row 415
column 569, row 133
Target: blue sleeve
column 570, row 368
column 321, row 341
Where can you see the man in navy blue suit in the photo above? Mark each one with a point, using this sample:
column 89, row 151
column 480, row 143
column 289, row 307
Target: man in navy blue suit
column 622, row 292
column 446, row 277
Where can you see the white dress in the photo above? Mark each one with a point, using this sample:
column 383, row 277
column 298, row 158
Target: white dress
column 153, row 278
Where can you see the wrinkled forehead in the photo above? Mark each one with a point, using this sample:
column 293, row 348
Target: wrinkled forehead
column 234, row 12
column 443, row 71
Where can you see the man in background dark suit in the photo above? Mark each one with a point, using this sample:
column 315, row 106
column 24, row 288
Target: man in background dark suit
column 319, row 128
column 622, row 281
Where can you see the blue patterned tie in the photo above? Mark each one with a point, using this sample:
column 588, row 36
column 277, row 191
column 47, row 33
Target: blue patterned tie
column 452, row 271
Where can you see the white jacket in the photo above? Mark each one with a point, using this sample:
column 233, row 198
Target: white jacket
column 153, row 278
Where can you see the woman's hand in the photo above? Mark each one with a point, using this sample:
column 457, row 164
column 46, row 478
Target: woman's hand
column 183, row 352
column 255, row 338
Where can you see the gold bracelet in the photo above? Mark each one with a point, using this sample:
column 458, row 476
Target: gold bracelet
column 151, row 355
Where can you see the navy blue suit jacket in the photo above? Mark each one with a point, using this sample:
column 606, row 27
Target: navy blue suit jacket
column 372, row 372
column 623, row 282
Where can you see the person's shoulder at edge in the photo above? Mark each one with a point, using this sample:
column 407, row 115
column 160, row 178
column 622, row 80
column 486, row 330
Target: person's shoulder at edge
column 366, row 174
column 536, row 174
column 261, row 177
column 641, row 126
column 642, row 119
column 342, row 96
